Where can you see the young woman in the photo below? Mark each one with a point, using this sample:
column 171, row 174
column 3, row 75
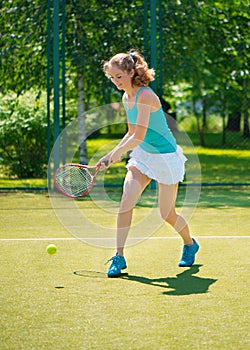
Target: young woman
column 155, row 154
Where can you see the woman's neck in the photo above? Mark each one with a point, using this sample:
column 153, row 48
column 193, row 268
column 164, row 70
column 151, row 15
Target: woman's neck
column 131, row 92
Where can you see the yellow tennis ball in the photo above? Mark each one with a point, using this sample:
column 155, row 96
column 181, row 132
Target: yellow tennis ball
column 51, row 249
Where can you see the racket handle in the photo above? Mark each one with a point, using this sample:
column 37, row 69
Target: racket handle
column 100, row 165
column 104, row 162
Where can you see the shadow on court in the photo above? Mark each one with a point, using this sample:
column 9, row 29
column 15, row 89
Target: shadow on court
column 184, row 283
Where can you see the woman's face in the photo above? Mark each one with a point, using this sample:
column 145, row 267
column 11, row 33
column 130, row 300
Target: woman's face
column 120, row 78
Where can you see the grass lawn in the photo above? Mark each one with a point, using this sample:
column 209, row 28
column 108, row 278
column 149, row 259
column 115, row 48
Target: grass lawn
column 65, row 301
column 217, row 166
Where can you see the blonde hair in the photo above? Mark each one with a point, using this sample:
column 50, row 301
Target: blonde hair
column 127, row 62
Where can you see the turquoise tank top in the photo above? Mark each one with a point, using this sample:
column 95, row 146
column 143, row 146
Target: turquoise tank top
column 158, row 138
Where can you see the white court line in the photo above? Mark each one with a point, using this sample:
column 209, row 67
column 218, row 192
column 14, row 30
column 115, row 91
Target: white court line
column 98, row 239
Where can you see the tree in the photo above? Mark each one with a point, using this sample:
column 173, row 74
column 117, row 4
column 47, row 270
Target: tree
column 23, row 55
column 86, row 31
column 206, row 46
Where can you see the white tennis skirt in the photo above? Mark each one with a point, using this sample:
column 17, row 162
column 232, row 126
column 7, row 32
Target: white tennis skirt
column 165, row 168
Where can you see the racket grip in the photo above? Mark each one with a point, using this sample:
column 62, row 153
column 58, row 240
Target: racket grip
column 104, row 162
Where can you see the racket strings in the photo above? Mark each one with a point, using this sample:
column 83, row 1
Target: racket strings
column 74, row 181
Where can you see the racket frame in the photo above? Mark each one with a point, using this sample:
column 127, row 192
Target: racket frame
column 58, row 187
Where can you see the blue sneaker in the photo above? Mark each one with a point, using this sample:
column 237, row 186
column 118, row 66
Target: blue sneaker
column 118, row 264
column 188, row 254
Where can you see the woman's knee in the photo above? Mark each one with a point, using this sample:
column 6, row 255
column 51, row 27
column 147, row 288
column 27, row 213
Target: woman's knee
column 129, row 198
column 169, row 216
column 134, row 184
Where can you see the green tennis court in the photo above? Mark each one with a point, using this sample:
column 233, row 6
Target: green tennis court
column 65, row 301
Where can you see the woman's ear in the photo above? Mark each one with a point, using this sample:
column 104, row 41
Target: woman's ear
column 132, row 73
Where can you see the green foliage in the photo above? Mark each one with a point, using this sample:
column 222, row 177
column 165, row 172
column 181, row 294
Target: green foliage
column 208, row 46
column 23, row 45
column 23, row 140
column 205, row 51
column 95, row 31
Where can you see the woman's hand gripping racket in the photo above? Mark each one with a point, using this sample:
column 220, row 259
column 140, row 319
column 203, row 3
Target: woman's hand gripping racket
column 76, row 180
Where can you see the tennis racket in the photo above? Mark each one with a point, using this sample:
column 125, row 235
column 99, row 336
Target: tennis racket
column 76, row 180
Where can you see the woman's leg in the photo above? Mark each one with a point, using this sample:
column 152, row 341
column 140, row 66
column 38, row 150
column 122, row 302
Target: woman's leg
column 167, row 200
column 134, row 184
